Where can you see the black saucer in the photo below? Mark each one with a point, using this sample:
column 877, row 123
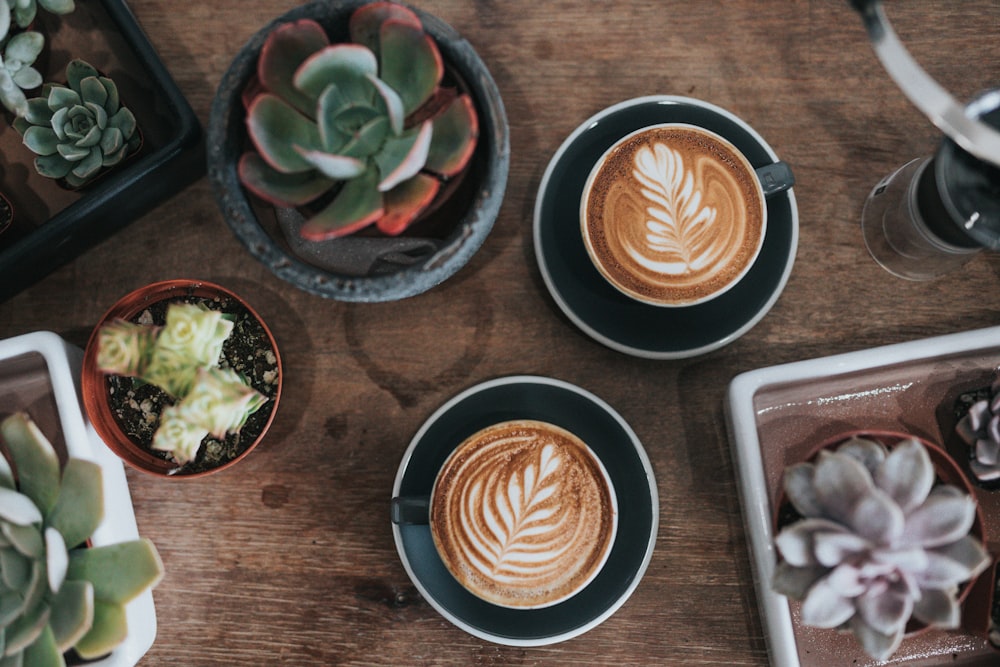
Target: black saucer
column 601, row 311
column 614, row 443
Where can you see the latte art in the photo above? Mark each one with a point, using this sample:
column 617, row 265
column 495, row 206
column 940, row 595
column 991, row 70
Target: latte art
column 522, row 514
column 672, row 215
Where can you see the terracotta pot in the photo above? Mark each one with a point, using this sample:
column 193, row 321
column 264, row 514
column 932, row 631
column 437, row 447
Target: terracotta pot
column 948, row 471
column 95, row 384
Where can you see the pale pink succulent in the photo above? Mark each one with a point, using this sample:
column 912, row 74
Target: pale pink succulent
column 879, row 542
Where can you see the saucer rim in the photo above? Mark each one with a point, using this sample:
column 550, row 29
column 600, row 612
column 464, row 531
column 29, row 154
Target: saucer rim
column 579, row 321
column 636, row 576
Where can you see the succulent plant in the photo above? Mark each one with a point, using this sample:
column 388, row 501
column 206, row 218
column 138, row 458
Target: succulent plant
column 79, row 128
column 878, row 542
column 22, row 12
column 362, row 132
column 182, row 359
column 979, row 427
column 16, row 72
column 56, row 592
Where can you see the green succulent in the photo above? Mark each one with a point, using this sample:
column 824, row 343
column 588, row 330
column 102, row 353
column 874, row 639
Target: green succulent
column 16, row 71
column 22, row 12
column 57, row 593
column 80, row 128
column 361, row 132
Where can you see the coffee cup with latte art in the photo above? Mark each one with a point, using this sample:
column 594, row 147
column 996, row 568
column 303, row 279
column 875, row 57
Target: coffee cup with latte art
column 523, row 514
column 673, row 215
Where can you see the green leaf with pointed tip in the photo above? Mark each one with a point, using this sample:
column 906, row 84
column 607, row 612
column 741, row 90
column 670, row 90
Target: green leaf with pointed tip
column 347, row 65
column 77, row 71
column 456, row 132
column 366, row 21
column 124, row 120
column 93, row 91
column 332, row 102
column 393, row 105
column 41, row 140
column 119, row 572
column 44, row 652
column 58, row 6
column 52, row 166
column 34, row 460
column 108, row 630
column 6, row 474
column 111, row 102
column 405, row 203
column 72, row 613
column 92, row 138
column 276, row 128
column 79, row 508
column 112, row 142
column 24, row 46
column 18, row 508
column 89, row 165
column 38, row 112
column 72, row 152
column 278, row 188
column 403, row 157
column 284, row 50
column 61, row 96
column 357, row 205
column 26, row 538
column 411, row 63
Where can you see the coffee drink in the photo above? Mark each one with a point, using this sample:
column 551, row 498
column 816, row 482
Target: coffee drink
column 523, row 514
column 673, row 215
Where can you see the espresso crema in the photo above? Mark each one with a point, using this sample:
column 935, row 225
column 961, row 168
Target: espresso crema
column 673, row 215
column 523, row 514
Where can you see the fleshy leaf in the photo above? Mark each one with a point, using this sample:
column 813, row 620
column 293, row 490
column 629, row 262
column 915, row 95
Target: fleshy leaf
column 56, row 558
column 939, row 609
column 366, row 21
column 278, row 188
column 357, row 205
column 77, row 71
column 410, row 63
column 24, row 46
column 347, row 65
column 79, row 509
column 276, row 129
column 72, row 613
column 58, row 6
column 455, row 134
column 405, row 202
column 44, row 652
column 336, row 167
column 402, row 157
column 907, row 474
column 943, row 518
column 840, row 482
column 52, row 166
column 41, row 140
column 878, row 645
column 34, row 459
column 285, row 49
column 108, row 630
column 104, row 568
column 876, row 517
column 825, row 607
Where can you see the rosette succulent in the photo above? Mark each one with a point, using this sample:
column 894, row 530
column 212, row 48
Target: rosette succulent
column 979, row 428
column 355, row 133
column 878, row 542
column 16, row 72
column 182, row 358
column 80, row 128
column 56, row 592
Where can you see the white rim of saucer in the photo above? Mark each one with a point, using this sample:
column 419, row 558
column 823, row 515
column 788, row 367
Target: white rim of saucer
column 550, row 283
column 650, row 480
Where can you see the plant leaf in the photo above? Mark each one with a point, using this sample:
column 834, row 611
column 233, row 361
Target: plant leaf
column 403, row 157
column 276, row 128
column 410, row 63
column 119, row 572
column 456, row 131
column 366, row 21
column 357, row 205
column 278, row 188
column 79, row 509
column 346, row 65
column 284, row 50
column 405, row 202
column 34, row 459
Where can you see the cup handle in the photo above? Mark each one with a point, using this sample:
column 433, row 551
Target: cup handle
column 411, row 510
column 775, row 177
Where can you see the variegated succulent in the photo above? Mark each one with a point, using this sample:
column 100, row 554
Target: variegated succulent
column 16, row 72
column 80, row 128
column 357, row 133
column 879, row 542
column 979, row 428
column 182, row 358
column 57, row 593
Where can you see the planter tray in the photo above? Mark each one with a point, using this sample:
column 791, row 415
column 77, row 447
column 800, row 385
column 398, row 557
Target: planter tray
column 776, row 415
column 39, row 373
column 52, row 225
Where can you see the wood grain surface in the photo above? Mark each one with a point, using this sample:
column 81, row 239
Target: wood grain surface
column 288, row 559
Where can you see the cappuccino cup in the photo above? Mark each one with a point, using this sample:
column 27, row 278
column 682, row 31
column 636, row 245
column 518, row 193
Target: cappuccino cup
column 523, row 514
column 674, row 215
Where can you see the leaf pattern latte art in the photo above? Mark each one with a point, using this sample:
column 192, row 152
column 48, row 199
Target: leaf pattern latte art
column 679, row 225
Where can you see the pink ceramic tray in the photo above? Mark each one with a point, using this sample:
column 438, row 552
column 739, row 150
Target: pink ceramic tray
column 777, row 414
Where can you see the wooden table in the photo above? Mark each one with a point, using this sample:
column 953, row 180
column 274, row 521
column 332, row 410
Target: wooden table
column 289, row 558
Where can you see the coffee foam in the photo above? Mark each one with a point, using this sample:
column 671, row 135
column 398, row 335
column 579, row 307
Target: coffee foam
column 673, row 216
column 522, row 514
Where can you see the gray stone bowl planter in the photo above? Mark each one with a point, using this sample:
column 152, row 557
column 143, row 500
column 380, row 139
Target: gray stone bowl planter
column 364, row 268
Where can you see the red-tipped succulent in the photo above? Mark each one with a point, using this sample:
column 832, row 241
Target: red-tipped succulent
column 357, row 133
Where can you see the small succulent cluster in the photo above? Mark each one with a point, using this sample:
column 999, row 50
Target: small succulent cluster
column 361, row 132
column 56, row 592
column 22, row 48
column 80, row 128
column 879, row 542
column 979, row 428
column 182, row 358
